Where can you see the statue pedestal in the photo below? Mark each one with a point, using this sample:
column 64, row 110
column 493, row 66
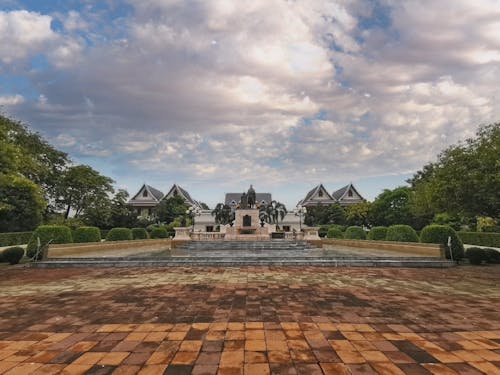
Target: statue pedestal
column 182, row 233
column 247, row 227
column 311, row 233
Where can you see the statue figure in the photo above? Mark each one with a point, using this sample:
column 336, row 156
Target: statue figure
column 251, row 197
column 244, row 201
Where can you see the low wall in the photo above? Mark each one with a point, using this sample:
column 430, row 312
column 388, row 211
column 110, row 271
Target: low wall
column 111, row 248
column 403, row 248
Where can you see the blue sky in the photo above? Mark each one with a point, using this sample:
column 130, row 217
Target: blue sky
column 284, row 95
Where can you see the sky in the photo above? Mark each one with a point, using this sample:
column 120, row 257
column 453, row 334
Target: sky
column 284, row 95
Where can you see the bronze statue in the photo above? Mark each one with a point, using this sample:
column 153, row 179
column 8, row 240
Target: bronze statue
column 251, row 197
column 244, row 201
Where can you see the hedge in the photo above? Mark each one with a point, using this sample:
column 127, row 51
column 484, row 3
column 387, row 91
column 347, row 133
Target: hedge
column 13, row 254
column 56, row 233
column 377, row 234
column 14, row 238
column 87, row 234
column 119, row 234
column 139, row 233
column 104, row 233
column 355, row 233
column 323, row 231
column 334, row 233
column 480, row 238
column 439, row 234
column 159, row 232
column 401, row 233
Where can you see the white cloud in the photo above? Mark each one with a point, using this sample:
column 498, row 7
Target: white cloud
column 10, row 100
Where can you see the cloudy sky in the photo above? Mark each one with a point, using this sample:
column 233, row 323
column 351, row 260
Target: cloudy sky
column 215, row 95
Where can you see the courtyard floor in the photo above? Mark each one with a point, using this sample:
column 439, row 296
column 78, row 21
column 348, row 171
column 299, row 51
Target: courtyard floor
column 252, row 320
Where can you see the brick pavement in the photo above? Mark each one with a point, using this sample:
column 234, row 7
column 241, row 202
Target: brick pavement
column 253, row 320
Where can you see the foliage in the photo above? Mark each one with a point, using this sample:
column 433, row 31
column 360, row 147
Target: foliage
column 377, row 234
column 325, row 215
column 480, row 238
column 358, row 214
column 401, row 233
column 159, row 232
column 21, row 203
column 465, row 178
column 355, row 233
column 14, row 238
column 139, row 234
column 392, row 207
column 87, row 234
column 334, row 232
column 493, row 256
column 122, row 215
column 13, row 254
column 445, row 218
column 223, row 213
column 46, row 233
column 323, row 230
column 476, row 255
column 273, row 212
column 119, row 234
column 487, row 224
column 204, row 206
column 170, row 209
column 81, row 187
column 439, row 234
column 71, row 222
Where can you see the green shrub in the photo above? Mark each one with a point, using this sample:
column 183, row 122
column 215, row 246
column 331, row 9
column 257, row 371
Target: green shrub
column 439, row 234
column 56, row 233
column 334, row 233
column 401, row 233
column 87, row 234
column 377, row 233
column 493, row 256
column 159, row 232
column 139, row 233
column 13, row 254
column 119, row 234
column 1, row 257
column 104, row 233
column 323, row 231
column 476, row 255
column 355, row 233
column 480, row 238
column 14, row 238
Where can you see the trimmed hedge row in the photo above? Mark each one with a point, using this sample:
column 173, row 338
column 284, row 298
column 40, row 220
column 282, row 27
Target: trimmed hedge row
column 377, row 233
column 355, row 233
column 477, row 255
column 56, row 233
column 14, row 238
column 12, row 255
column 480, row 238
column 86, row 234
column 439, row 234
column 159, row 232
column 119, row 234
column 140, row 234
column 334, row 232
column 401, row 233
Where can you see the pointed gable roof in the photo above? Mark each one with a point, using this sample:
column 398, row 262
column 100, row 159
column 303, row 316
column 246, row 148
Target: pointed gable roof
column 341, row 193
column 183, row 193
column 154, row 193
column 313, row 197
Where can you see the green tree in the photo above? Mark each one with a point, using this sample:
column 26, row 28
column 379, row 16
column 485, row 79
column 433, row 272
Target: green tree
column 465, row 178
column 80, row 188
column 272, row 212
column 392, row 207
column 223, row 214
column 21, row 204
column 325, row 215
column 170, row 209
column 122, row 215
column 358, row 214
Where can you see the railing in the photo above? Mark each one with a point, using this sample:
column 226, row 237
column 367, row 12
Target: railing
column 207, row 236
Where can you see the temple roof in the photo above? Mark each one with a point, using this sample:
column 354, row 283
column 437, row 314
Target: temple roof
column 155, row 193
column 236, row 197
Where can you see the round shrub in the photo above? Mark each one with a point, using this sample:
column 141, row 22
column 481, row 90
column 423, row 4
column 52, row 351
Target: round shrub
column 355, row 233
column 56, row 233
column 87, row 234
column 159, row 232
column 139, row 234
column 334, row 233
column 439, row 234
column 323, row 231
column 119, row 234
column 401, row 233
column 13, row 254
column 377, row 233
column 493, row 256
column 476, row 255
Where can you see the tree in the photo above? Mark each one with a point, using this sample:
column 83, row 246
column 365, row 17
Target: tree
column 358, row 214
column 204, row 206
column 465, row 178
column 325, row 215
column 223, row 213
column 392, row 207
column 170, row 209
column 273, row 212
column 80, row 188
column 21, row 204
column 122, row 215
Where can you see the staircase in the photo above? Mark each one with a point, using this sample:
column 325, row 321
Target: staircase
column 246, row 253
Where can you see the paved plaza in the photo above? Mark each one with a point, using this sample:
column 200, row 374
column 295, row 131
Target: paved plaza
column 251, row 320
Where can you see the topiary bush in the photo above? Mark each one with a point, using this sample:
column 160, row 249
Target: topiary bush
column 159, row 232
column 334, row 233
column 493, row 256
column 323, row 231
column 377, row 233
column 480, row 238
column 119, row 234
column 139, row 234
column 439, row 234
column 355, row 233
column 401, row 233
column 14, row 238
column 476, row 255
column 13, row 254
column 56, row 233
column 87, row 234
